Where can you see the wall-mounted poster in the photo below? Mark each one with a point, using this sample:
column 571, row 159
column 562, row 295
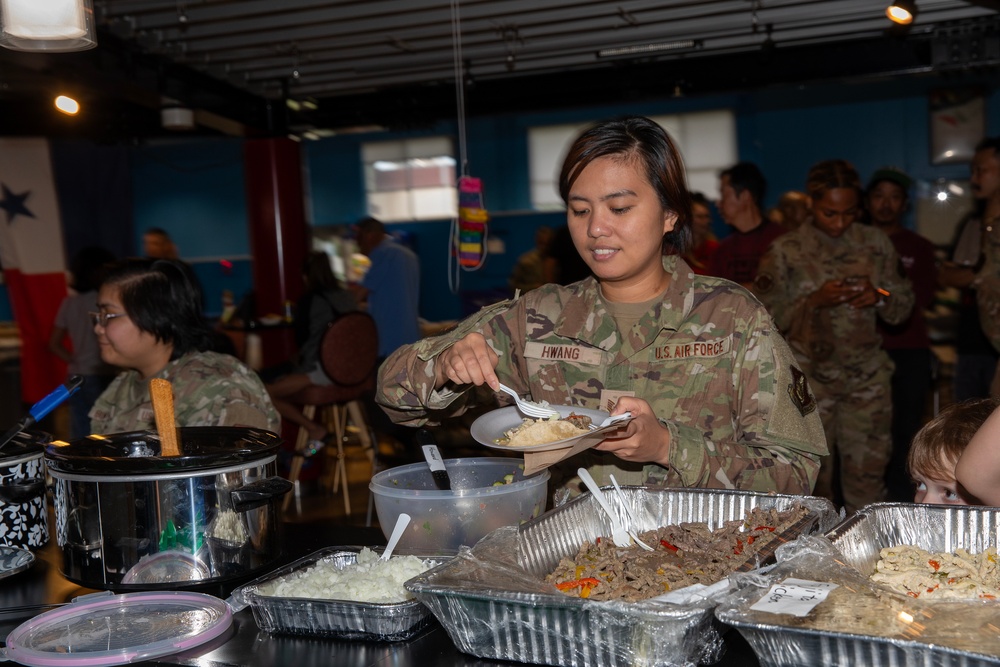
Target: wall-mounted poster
column 958, row 123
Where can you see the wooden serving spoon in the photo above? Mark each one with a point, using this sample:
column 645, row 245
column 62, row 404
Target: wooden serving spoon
column 162, row 395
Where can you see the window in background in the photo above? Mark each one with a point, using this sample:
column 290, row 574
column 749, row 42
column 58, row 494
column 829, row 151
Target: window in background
column 707, row 141
column 411, row 179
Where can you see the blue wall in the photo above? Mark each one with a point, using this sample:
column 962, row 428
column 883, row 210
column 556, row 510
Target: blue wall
column 195, row 189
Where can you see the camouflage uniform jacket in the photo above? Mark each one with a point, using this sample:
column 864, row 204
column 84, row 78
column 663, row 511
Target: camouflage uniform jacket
column 839, row 344
column 707, row 359
column 210, row 389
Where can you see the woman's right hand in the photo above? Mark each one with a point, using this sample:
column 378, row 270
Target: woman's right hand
column 469, row 361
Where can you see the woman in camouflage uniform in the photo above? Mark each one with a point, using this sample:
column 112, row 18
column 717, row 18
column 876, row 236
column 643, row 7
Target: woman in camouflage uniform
column 826, row 283
column 716, row 398
column 150, row 323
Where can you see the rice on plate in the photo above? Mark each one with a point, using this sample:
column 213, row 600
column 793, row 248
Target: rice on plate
column 541, row 431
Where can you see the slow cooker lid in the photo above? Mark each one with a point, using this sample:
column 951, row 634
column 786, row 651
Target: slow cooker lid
column 25, row 444
column 104, row 629
column 202, row 447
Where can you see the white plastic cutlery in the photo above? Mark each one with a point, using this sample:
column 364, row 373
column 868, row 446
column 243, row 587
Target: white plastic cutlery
column 628, row 518
column 401, row 523
column 625, row 416
column 618, row 532
column 529, row 408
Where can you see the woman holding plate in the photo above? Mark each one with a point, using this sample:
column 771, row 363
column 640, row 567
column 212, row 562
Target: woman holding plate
column 716, row 397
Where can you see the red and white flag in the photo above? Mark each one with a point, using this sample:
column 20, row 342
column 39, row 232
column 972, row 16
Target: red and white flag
column 33, row 260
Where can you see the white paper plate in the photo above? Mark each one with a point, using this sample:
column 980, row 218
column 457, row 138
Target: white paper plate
column 490, row 427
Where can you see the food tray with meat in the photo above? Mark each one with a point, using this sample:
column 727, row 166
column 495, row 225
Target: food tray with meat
column 494, row 601
column 866, row 619
column 282, row 603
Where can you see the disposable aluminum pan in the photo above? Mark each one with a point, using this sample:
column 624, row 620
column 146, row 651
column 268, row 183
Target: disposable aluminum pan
column 853, row 550
column 335, row 619
column 494, row 603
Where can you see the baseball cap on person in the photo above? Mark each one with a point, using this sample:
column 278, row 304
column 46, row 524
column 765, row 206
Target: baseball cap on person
column 891, row 174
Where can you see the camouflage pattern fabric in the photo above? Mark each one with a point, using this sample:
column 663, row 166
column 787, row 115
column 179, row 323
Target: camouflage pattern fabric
column 210, row 389
column 707, row 359
column 839, row 348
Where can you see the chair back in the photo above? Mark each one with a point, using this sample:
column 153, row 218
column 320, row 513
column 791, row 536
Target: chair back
column 348, row 351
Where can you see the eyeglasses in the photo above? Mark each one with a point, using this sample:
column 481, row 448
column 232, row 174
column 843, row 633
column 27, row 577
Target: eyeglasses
column 102, row 319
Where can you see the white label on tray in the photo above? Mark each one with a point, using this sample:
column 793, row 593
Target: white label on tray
column 794, row 596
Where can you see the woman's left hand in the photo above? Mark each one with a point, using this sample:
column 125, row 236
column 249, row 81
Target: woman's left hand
column 643, row 440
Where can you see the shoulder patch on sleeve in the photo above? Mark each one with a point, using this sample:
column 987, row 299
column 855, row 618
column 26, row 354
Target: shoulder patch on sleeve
column 798, row 391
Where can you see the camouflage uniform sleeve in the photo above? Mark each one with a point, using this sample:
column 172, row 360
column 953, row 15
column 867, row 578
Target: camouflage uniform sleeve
column 895, row 308
column 406, row 380
column 775, row 285
column 780, row 438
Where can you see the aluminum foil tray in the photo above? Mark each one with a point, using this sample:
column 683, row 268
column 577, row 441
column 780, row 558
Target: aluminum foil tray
column 852, row 550
column 339, row 619
column 493, row 601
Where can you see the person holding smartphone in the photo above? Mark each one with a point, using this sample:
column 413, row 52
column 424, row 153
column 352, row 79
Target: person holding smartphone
column 826, row 284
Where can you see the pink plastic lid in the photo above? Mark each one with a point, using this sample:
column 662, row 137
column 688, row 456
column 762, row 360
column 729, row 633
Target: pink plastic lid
column 105, row 629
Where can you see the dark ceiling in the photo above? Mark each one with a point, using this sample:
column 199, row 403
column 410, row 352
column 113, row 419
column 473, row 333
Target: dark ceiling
column 242, row 65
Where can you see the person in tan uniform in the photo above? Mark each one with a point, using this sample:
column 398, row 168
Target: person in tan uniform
column 826, row 284
column 717, row 397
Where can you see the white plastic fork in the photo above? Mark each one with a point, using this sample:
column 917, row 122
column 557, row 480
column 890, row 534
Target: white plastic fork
column 529, row 408
column 629, row 518
column 611, row 420
column 619, row 535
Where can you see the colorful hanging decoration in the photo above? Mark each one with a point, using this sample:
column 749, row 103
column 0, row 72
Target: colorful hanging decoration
column 472, row 223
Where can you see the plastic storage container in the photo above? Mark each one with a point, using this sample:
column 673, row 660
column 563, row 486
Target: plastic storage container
column 480, row 500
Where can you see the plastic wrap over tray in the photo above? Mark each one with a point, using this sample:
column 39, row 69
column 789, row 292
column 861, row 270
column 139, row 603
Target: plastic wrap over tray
column 862, row 622
column 494, row 602
column 340, row 619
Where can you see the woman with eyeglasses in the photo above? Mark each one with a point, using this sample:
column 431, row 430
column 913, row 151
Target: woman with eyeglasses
column 149, row 322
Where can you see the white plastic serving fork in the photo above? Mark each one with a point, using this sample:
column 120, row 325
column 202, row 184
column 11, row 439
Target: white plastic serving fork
column 529, row 408
column 625, row 416
column 619, row 535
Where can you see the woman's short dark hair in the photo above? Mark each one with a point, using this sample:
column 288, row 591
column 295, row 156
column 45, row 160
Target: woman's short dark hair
column 318, row 272
column 160, row 299
column 638, row 139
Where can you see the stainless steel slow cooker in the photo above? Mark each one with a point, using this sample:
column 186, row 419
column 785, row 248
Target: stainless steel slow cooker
column 24, row 513
column 130, row 519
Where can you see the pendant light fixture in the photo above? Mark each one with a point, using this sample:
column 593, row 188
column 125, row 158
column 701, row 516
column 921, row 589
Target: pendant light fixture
column 903, row 12
column 47, row 25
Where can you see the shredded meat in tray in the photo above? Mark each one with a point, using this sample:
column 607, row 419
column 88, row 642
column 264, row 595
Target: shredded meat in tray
column 689, row 553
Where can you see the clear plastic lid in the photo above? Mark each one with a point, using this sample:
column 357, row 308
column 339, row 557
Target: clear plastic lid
column 105, row 629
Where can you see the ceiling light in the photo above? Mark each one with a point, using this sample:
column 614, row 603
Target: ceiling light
column 175, row 116
column 54, row 25
column 647, row 48
column 903, row 12
column 67, row 105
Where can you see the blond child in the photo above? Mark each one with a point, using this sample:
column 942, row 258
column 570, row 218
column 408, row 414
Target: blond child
column 938, row 447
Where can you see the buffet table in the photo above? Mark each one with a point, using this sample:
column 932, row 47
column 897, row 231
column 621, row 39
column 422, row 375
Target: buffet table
column 26, row 594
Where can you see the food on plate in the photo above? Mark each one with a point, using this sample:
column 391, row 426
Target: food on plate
column 370, row 579
column 684, row 554
column 541, row 431
column 942, row 575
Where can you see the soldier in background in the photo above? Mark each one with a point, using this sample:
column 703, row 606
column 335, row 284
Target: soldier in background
column 826, row 284
column 976, row 259
column 529, row 271
column 908, row 343
column 741, row 201
column 716, row 396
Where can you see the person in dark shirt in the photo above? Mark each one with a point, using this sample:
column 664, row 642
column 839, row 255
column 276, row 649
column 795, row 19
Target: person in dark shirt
column 741, row 196
column 703, row 241
column 907, row 343
column 323, row 300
